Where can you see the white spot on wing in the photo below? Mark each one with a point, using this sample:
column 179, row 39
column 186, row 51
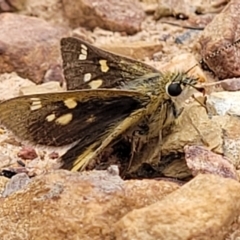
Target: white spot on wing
column 50, row 117
column 35, row 99
column 36, row 104
column 103, row 65
column 87, row 77
column 35, row 107
column 95, row 84
column 83, row 54
column 84, row 51
column 82, row 57
column 84, row 46
column 70, row 103
column 91, row 119
column 64, row 119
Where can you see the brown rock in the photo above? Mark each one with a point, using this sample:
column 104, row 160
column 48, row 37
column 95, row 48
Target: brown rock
column 180, row 9
column 200, row 21
column 220, row 42
column 47, row 87
column 195, row 126
column 219, row 131
column 31, row 46
column 137, row 50
column 49, row 10
column 5, row 7
column 84, row 34
column 184, row 9
column 12, row 5
column 125, row 16
column 17, row 4
column 202, row 209
column 149, row 8
column 65, row 205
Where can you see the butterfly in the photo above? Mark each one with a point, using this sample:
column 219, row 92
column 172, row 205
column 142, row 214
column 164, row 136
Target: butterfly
column 111, row 100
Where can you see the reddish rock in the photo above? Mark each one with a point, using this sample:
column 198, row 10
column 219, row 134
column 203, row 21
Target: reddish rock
column 16, row 4
column 201, row 160
column 27, row 153
column 28, row 46
column 12, row 5
column 232, row 84
column 122, row 16
column 220, row 46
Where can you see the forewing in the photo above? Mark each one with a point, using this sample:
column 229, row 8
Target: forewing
column 88, row 67
column 63, row 118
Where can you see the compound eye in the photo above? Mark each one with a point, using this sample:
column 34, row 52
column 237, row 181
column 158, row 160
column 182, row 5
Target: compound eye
column 174, row 89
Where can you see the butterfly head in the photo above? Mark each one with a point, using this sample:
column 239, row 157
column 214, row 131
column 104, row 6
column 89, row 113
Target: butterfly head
column 179, row 84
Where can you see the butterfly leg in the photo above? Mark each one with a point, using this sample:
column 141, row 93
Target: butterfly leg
column 150, row 151
column 138, row 137
column 79, row 162
column 157, row 150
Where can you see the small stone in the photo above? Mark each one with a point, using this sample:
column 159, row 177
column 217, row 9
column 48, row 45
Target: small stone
column 3, row 183
column 54, row 73
column 16, row 183
column 113, row 170
column 27, row 153
column 5, row 160
column 53, row 155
